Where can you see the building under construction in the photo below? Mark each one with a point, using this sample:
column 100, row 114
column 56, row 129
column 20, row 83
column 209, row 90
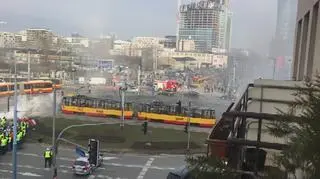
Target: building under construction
column 207, row 23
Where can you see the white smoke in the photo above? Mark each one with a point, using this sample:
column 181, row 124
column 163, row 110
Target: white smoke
column 30, row 106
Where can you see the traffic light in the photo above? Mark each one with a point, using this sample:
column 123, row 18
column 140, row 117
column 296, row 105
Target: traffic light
column 93, row 151
column 145, row 127
column 186, row 128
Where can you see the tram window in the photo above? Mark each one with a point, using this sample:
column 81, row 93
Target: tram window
column 68, row 102
column 74, row 101
column 48, row 85
column 11, row 87
column 88, row 103
column 196, row 113
column 3, row 88
column 205, row 114
column 65, row 101
column 212, row 114
column 129, row 106
column 104, row 104
column 81, row 102
column 154, row 109
column 108, row 104
column 184, row 111
column 27, row 86
column 100, row 104
column 118, row 105
column 141, row 108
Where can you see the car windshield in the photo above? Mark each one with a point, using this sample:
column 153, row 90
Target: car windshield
column 79, row 162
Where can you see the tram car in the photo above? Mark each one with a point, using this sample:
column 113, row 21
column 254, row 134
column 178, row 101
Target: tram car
column 95, row 107
column 154, row 112
column 177, row 114
column 27, row 87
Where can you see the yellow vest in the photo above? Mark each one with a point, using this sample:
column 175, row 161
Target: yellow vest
column 19, row 136
column 47, row 154
column 3, row 142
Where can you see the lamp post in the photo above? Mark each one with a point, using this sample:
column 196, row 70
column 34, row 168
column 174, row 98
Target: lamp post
column 59, row 137
column 15, row 118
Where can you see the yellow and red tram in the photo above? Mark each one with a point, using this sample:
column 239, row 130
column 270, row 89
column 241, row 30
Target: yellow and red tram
column 170, row 114
column 95, row 107
column 179, row 115
column 28, row 87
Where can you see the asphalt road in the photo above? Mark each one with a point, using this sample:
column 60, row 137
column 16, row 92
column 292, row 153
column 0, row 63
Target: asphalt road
column 117, row 166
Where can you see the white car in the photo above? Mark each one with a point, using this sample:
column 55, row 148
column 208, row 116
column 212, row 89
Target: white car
column 82, row 165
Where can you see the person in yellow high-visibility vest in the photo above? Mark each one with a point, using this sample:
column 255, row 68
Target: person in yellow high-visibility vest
column 47, row 158
column 3, row 145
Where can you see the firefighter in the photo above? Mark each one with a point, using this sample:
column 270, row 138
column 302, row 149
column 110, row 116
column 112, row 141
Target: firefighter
column 47, row 158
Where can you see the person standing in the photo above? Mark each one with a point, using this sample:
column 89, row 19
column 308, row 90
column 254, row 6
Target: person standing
column 47, row 158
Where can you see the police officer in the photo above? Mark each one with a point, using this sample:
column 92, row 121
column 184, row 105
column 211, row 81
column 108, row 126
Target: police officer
column 3, row 121
column 19, row 138
column 3, row 145
column 47, row 158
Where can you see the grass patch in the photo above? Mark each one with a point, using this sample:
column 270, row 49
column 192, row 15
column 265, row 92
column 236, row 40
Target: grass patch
column 112, row 137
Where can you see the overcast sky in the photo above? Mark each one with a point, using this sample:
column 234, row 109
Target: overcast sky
column 253, row 20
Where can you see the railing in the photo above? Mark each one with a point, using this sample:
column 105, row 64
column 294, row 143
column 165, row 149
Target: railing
column 228, row 137
column 225, row 125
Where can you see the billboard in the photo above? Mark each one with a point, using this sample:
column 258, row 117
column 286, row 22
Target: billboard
column 105, row 64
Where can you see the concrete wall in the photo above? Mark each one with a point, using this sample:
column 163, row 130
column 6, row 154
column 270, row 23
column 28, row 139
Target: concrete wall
column 269, row 96
column 307, row 40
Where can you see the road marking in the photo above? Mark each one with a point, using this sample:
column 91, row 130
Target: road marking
column 92, row 177
column 145, row 168
column 48, row 169
column 22, row 173
column 106, row 164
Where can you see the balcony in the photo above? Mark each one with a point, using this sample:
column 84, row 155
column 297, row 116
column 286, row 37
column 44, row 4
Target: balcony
column 244, row 125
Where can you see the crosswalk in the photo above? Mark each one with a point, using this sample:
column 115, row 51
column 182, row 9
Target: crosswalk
column 36, row 171
column 34, row 174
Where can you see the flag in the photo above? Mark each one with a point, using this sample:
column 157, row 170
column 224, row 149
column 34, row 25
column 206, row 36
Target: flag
column 80, row 152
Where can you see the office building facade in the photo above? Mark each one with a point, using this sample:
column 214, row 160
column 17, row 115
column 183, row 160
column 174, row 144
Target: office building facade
column 206, row 23
column 306, row 61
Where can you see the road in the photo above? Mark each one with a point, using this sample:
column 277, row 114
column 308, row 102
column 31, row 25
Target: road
column 117, row 166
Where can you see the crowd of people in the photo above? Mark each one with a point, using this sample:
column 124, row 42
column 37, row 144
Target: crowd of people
column 6, row 134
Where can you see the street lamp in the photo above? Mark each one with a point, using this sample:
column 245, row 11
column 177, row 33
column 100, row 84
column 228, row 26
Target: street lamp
column 55, row 142
column 15, row 118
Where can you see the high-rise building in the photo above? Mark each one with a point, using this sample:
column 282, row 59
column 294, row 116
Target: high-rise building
column 39, row 38
column 206, row 22
column 307, row 47
column 281, row 49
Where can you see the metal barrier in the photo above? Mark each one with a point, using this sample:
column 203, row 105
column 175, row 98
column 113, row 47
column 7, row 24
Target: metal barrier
column 228, row 138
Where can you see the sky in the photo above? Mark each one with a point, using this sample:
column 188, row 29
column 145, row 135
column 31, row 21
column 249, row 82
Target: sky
column 253, row 20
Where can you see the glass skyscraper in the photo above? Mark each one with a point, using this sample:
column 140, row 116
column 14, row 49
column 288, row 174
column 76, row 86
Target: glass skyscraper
column 282, row 45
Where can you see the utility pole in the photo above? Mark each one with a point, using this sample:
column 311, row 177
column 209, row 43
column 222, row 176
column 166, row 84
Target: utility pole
column 54, row 129
column 122, row 95
column 189, row 108
column 29, row 70
column 139, row 80
column 122, row 108
column 15, row 119
column 189, row 135
column 8, row 104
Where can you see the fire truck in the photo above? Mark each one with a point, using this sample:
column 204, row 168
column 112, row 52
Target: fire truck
column 166, row 85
